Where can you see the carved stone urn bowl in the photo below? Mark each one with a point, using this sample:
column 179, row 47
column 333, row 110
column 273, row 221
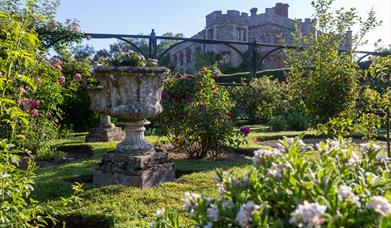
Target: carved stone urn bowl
column 133, row 95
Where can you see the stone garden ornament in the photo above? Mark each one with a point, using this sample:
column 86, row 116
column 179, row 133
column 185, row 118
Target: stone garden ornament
column 133, row 95
column 105, row 131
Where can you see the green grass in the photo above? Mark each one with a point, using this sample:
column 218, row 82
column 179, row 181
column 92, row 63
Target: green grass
column 133, row 207
column 123, row 206
column 127, row 206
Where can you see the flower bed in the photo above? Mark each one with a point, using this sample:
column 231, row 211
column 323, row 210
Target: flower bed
column 329, row 184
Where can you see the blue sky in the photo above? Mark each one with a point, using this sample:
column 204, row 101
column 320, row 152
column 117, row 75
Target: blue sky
column 188, row 16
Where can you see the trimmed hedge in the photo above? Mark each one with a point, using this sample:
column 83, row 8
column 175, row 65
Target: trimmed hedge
column 245, row 76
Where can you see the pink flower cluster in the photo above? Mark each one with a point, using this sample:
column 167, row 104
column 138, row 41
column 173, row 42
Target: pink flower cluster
column 33, row 112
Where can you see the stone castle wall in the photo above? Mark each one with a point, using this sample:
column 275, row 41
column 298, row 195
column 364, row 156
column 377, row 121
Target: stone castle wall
column 273, row 26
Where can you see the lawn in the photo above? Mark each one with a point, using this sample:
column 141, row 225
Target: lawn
column 133, row 207
column 118, row 205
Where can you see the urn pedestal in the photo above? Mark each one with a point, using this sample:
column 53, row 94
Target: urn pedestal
column 133, row 95
column 105, row 131
column 145, row 170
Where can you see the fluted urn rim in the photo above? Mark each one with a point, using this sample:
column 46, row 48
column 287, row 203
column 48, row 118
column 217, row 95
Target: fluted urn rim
column 131, row 69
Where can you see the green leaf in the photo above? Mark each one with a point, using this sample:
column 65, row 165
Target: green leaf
column 292, row 181
column 29, row 82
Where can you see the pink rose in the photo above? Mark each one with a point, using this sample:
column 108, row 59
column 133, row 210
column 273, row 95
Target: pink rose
column 34, row 112
column 61, row 80
column 58, row 67
column 34, row 103
column 74, row 30
column 78, row 76
column 57, row 62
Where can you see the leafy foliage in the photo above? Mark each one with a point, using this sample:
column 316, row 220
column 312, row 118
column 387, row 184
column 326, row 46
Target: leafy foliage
column 322, row 76
column 329, row 185
column 30, row 92
column 197, row 115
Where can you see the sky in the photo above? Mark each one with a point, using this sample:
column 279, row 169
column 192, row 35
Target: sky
column 188, row 16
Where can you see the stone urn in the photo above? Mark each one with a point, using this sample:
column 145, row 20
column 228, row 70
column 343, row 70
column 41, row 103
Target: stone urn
column 133, row 95
column 105, row 131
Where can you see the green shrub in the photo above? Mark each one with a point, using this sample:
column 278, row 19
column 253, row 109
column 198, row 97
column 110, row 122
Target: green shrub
column 297, row 121
column 262, row 98
column 30, row 92
column 197, row 115
column 297, row 185
column 39, row 138
column 324, row 78
column 278, row 123
column 76, row 114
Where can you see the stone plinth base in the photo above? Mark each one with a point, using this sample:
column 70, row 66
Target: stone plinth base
column 99, row 134
column 146, row 170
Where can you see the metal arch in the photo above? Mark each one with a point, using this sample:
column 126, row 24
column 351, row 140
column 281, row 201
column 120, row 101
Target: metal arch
column 132, row 44
column 362, row 57
column 267, row 54
column 171, row 47
column 200, row 41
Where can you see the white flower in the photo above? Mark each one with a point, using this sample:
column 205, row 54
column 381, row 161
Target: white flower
column 345, row 193
column 191, row 200
column 290, row 141
column 226, row 203
column 308, row 214
column 213, row 213
column 277, row 170
column 331, row 145
column 263, row 154
column 353, row 158
column 217, row 178
column 160, row 213
column 244, row 216
column 370, row 147
column 221, row 188
column 382, row 159
column 380, row 205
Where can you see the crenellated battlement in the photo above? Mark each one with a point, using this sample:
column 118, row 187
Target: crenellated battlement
column 277, row 14
column 231, row 17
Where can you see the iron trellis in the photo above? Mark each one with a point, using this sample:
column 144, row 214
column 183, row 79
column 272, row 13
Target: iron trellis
column 253, row 46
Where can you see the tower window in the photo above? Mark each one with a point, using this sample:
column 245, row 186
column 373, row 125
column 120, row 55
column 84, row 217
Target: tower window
column 242, row 34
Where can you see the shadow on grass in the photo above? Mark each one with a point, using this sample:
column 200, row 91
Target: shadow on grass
column 55, row 182
column 77, row 220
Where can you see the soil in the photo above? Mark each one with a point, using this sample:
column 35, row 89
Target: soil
column 178, row 155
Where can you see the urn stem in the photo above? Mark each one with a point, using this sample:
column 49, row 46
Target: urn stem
column 135, row 140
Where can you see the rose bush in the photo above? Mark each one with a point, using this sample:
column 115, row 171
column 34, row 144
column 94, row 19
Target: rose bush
column 31, row 89
column 197, row 115
column 295, row 184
